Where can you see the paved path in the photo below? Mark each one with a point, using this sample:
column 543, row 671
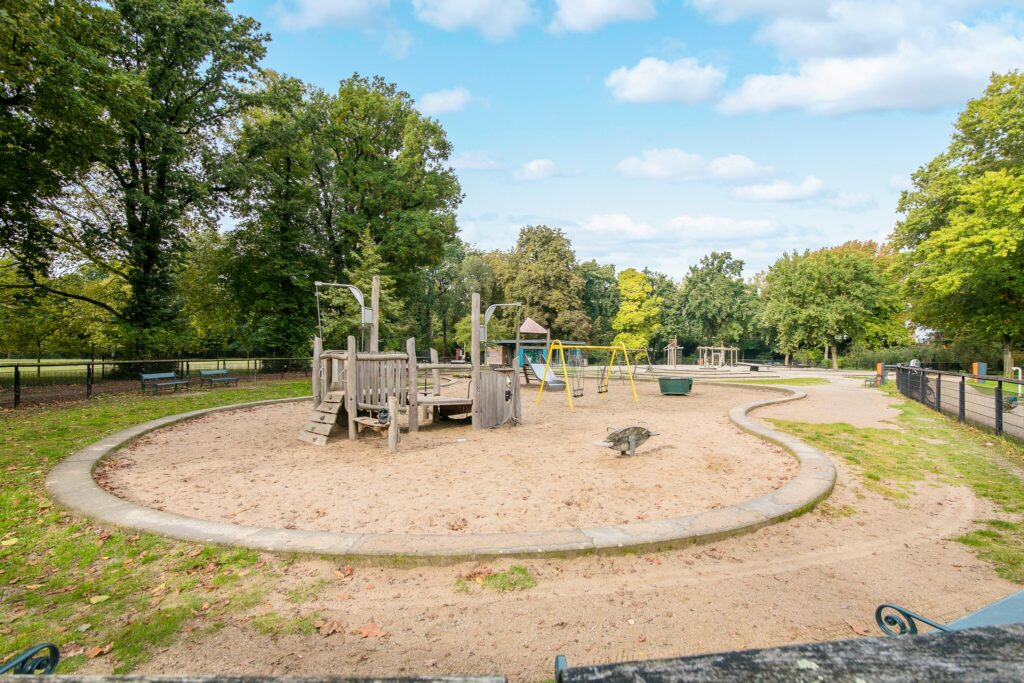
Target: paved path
column 71, row 484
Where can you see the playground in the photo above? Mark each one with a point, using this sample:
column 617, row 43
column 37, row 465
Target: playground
column 246, row 467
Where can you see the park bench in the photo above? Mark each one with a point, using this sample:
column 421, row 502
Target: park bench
column 155, row 380
column 216, row 377
column 753, row 367
column 41, row 659
column 897, row 621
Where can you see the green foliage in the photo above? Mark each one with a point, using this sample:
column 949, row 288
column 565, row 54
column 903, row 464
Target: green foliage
column 542, row 273
column 516, row 578
column 600, row 299
column 962, row 233
column 639, row 316
column 717, row 305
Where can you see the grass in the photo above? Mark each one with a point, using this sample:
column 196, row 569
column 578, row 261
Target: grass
column 66, row 581
column 930, row 446
column 515, row 578
column 274, row 625
column 788, row 381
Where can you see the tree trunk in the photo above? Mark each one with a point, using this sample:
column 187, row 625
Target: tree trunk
column 787, row 358
column 1007, row 355
column 835, row 357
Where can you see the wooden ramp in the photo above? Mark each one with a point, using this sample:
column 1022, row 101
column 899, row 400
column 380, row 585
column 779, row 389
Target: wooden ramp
column 324, row 418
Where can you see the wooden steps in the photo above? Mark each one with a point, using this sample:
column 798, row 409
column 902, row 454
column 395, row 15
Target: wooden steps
column 324, row 418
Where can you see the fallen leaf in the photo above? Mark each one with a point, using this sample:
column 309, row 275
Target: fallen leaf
column 159, row 590
column 371, row 630
column 458, row 524
column 344, row 573
column 94, row 652
column 859, row 630
column 195, row 551
column 97, row 599
column 329, row 627
column 33, row 586
column 8, row 542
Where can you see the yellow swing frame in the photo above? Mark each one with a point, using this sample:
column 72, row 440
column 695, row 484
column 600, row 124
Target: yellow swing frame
column 557, row 345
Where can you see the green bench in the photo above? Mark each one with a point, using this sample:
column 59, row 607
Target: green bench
column 155, row 380
column 216, row 377
column 898, row 621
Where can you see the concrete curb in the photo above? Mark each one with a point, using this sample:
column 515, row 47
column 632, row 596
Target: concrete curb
column 71, row 484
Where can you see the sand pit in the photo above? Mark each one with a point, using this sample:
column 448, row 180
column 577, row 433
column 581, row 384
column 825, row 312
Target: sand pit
column 247, row 467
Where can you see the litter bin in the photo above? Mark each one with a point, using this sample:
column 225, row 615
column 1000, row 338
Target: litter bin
column 675, row 386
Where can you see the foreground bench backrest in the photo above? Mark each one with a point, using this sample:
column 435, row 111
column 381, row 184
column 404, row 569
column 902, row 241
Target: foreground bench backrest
column 991, row 653
column 41, row 659
column 898, row 621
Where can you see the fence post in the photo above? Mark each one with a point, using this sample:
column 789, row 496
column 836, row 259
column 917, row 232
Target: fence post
column 938, row 392
column 962, row 412
column 920, row 387
column 999, row 408
column 17, row 386
column 89, row 371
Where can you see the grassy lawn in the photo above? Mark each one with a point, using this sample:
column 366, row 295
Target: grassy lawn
column 86, row 588
column 788, row 381
column 931, row 446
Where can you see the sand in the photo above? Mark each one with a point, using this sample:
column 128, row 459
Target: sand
column 817, row 577
column 247, row 467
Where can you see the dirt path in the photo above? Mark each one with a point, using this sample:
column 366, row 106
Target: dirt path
column 813, row 578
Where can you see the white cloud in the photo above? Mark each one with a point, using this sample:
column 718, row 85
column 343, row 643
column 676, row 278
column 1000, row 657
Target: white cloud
column 589, row 15
column 618, row 224
column 781, row 190
column 305, row 14
column 869, row 55
column 475, row 161
column 538, row 169
column 675, row 164
column 444, row 101
column 655, row 80
column 494, row 19
column 854, row 201
column 733, row 10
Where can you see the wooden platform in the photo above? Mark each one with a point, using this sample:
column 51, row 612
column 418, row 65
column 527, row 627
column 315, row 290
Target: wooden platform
column 445, row 401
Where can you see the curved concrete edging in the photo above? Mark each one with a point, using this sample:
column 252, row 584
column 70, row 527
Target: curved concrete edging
column 71, row 484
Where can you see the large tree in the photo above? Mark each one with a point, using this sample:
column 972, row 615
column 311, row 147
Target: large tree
column 600, row 299
column 718, row 305
column 639, row 316
column 961, row 239
column 542, row 273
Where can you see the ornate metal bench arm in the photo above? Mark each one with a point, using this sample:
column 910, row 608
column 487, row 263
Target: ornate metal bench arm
column 902, row 621
column 31, row 662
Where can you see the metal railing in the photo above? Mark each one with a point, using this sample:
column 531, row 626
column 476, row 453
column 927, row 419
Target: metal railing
column 25, row 384
column 986, row 401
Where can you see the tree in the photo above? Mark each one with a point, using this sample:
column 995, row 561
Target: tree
column 639, row 315
column 543, row 274
column 821, row 298
column 717, row 303
column 959, row 238
column 600, row 299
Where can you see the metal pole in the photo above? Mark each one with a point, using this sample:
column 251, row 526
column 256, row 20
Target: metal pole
column 938, row 392
column 375, row 305
column 962, row 412
column 999, row 408
column 89, row 370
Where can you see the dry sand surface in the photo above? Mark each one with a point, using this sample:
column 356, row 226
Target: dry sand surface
column 248, row 467
column 816, row 577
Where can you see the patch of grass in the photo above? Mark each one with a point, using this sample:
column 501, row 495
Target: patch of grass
column 66, row 581
column 515, row 579
column 274, row 625
column 308, row 591
column 832, row 511
column 785, row 381
column 930, row 446
column 462, row 586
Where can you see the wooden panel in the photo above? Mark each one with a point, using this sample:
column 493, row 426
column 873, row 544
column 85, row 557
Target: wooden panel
column 333, row 408
column 324, row 418
column 316, row 439
column 317, row 428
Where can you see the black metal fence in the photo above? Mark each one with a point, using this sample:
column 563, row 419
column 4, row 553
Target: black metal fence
column 26, row 384
column 994, row 403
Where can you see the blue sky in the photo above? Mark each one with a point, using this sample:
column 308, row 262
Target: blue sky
column 655, row 131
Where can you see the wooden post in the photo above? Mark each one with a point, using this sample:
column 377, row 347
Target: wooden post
column 375, row 305
column 351, row 387
column 474, row 351
column 318, row 347
column 414, row 415
column 435, row 378
column 393, row 424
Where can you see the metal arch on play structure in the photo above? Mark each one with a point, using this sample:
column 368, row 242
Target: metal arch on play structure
column 557, row 345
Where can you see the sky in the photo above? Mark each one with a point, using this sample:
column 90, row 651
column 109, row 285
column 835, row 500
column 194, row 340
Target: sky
column 655, row 131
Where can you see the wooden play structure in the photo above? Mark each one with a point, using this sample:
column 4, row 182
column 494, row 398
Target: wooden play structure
column 673, row 352
column 368, row 389
column 717, row 356
column 568, row 365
